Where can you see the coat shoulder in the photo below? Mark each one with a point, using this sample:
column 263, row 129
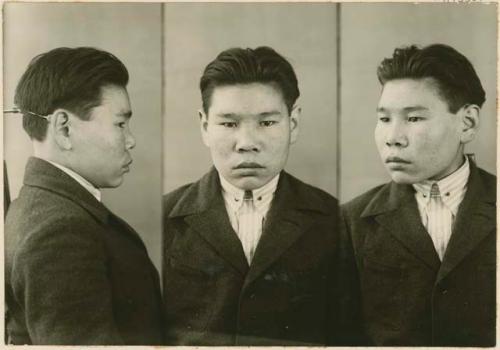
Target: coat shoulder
column 311, row 193
column 172, row 198
column 355, row 206
column 38, row 217
column 38, row 210
column 487, row 179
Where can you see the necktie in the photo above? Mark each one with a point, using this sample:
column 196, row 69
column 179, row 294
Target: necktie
column 246, row 226
column 439, row 219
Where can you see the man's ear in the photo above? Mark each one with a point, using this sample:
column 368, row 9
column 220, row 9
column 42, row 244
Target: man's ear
column 60, row 124
column 294, row 123
column 204, row 127
column 469, row 122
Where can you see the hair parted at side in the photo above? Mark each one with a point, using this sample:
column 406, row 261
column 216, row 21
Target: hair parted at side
column 455, row 76
column 69, row 78
column 245, row 66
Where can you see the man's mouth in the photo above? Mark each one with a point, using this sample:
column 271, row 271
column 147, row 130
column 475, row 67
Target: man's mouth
column 248, row 165
column 397, row 160
column 126, row 166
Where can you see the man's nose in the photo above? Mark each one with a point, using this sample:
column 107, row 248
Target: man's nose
column 129, row 140
column 247, row 139
column 396, row 135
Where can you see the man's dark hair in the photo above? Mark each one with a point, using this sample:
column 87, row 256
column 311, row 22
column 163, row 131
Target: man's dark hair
column 455, row 76
column 69, row 78
column 245, row 66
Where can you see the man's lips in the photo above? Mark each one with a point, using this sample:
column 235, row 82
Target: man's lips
column 397, row 160
column 126, row 166
column 248, row 165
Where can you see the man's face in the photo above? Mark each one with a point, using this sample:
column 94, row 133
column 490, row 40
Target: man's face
column 416, row 135
column 101, row 144
column 249, row 132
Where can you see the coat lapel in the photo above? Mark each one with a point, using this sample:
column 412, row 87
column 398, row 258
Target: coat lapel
column 395, row 209
column 203, row 209
column 476, row 219
column 214, row 226
column 286, row 222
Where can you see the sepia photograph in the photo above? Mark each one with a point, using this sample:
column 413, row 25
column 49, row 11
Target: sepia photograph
column 250, row 174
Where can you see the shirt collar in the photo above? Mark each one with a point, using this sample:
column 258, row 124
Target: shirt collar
column 234, row 195
column 452, row 188
column 87, row 185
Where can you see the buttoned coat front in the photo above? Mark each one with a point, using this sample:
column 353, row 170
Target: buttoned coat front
column 409, row 296
column 74, row 272
column 287, row 296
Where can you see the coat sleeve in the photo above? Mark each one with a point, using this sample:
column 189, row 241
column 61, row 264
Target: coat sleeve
column 60, row 278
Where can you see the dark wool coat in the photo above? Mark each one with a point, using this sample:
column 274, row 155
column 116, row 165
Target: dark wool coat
column 74, row 272
column 409, row 296
column 289, row 294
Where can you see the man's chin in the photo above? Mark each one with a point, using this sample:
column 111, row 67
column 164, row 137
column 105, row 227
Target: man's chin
column 249, row 183
column 403, row 178
column 114, row 183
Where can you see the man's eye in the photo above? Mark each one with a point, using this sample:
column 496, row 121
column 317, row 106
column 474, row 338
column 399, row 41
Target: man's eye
column 414, row 119
column 267, row 123
column 122, row 125
column 229, row 124
column 383, row 119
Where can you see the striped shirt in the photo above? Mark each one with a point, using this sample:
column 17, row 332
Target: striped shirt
column 247, row 216
column 438, row 205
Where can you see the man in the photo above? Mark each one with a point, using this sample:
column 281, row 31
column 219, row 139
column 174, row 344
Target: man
column 425, row 243
column 248, row 249
column 75, row 272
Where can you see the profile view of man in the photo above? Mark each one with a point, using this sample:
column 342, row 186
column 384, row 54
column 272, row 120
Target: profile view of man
column 425, row 243
column 75, row 273
column 249, row 249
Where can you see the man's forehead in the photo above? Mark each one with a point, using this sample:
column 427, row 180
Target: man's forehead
column 117, row 99
column 409, row 94
column 253, row 98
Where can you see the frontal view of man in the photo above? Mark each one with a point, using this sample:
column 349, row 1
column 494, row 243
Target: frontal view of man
column 75, row 272
column 425, row 243
column 248, row 249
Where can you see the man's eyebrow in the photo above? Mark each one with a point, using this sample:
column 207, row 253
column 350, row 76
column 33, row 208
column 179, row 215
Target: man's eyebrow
column 270, row 113
column 261, row 115
column 415, row 108
column 127, row 114
column 405, row 109
column 226, row 115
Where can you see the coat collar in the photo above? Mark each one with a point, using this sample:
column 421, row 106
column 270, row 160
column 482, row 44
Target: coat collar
column 394, row 207
column 40, row 173
column 200, row 196
column 203, row 208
